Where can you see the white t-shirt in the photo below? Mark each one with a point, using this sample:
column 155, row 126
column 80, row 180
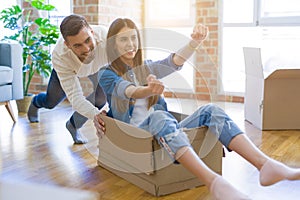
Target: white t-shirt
column 140, row 112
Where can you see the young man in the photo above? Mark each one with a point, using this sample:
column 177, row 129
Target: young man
column 79, row 53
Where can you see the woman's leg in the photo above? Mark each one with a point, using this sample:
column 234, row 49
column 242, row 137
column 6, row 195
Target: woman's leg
column 217, row 121
column 232, row 137
column 166, row 130
column 271, row 171
column 218, row 186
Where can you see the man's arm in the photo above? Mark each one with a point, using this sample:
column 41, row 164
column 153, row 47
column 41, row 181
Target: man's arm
column 72, row 87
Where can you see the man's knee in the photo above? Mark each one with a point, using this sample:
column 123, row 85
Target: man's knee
column 50, row 106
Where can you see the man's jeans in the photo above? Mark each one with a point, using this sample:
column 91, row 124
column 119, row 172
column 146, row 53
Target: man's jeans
column 55, row 95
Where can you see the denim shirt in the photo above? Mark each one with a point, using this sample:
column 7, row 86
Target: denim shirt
column 114, row 86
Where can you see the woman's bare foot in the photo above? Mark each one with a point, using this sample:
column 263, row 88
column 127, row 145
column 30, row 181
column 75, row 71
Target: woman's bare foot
column 273, row 171
column 222, row 190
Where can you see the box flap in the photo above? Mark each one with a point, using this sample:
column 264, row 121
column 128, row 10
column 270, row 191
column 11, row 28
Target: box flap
column 285, row 74
column 126, row 136
column 253, row 62
column 254, row 87
column 128, row 144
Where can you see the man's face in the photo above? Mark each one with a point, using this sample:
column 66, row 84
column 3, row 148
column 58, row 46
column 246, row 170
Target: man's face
column 83, row 45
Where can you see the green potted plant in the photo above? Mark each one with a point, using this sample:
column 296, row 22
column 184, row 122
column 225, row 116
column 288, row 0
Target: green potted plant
column 35, row 34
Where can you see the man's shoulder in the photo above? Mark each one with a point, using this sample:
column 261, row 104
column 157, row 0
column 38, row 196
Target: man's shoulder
column 99, row 27
column 100, row 31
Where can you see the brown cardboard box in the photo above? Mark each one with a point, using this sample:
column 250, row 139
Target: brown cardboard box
column 272, row 100
column 135, row 155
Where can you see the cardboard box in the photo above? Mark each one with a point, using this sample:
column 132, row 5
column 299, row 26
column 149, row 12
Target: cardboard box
column 135, row 155
column 272, row 99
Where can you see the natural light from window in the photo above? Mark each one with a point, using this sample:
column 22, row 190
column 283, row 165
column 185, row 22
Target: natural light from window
column 179, row 28
column 4, row 5
column 276, row 31
column 63, row 9
column 280, row 8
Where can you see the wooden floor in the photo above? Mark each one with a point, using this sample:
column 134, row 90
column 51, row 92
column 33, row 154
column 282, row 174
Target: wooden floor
column 44, row 153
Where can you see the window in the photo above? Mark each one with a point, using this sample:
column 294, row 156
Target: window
column 273, row 26
column 63, row 9
column 4, row 5
column 243, row 9
column 279, row 8
column 169, row 13
column 172, row 28
column 279, row 12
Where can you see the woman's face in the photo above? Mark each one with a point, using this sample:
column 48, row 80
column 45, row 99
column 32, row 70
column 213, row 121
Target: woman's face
column 127, row 45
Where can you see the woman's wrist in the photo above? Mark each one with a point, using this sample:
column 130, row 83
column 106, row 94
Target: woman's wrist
column 193, row 45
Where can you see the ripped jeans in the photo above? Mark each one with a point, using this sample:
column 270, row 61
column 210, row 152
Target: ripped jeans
column 170, row 135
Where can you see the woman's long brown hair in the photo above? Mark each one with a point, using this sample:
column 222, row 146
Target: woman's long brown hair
column 141, row 71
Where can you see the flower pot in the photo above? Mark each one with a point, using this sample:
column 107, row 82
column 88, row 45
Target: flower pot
column 23, row 104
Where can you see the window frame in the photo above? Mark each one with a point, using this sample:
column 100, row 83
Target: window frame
column 275, row 21
column 258, row 21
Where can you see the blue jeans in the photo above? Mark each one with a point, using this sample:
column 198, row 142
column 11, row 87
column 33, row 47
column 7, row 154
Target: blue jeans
column 170, row 135
column 55, row 94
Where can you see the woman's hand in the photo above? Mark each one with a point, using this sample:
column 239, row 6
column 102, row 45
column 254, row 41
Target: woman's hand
column 155, row 86
column 200, row 33
column 99, row 124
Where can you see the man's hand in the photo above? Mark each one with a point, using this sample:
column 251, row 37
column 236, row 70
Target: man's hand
column 99, row 124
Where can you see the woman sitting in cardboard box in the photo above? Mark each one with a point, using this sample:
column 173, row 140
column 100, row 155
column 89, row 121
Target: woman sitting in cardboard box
column 134, row 96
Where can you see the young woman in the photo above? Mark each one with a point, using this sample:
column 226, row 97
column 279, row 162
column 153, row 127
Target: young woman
column 134, row 96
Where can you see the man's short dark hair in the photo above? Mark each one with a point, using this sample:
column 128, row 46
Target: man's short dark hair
column 72, row 24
